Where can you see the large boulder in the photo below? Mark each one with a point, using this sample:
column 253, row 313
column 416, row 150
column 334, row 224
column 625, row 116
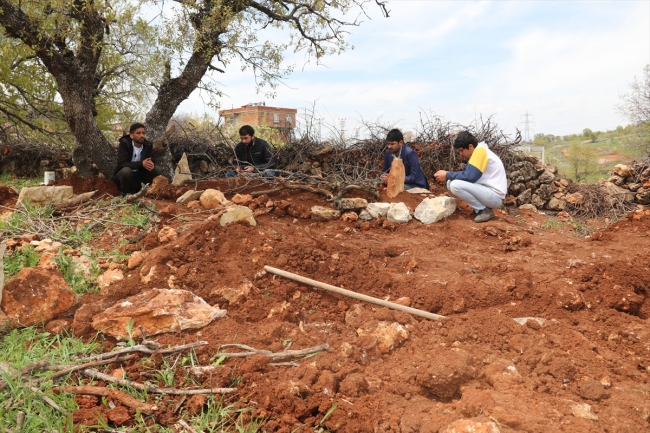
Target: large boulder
column 156, row 311
column 556, row 204
column 623, row 170
column 377, row 210
column 44, row 194
column 432, row 210
column 398, row 213
column 321, row 213
column 35, row 296
column 237, row 213
column 618, row 192
column 213, row 198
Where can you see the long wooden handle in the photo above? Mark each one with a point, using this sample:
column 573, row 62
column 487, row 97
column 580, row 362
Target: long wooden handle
column 351, row 294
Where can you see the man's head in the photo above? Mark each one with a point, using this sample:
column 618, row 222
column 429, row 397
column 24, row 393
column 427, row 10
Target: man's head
column 246, row 134
column 137, row 134
column 394, row 141
column 465, row 143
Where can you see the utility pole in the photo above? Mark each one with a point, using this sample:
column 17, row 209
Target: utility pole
column 527, row 121
column 342, row 127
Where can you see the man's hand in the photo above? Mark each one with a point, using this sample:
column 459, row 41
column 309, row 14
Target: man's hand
column 384, row 177
column 246, row 169
column 441, row 175
column 148, row 164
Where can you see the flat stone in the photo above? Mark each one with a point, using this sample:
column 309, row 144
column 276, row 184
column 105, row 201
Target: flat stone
column 189, row 196
column 109, row 277
column 528, row 206
column 182, row 172
column 435, row 209
column 236, row 213
column 136, row 259
column 233, row 295
column 321, row 213
column 157, row 311
column 583, row 411
column 418, row 190
column 44, row 194
column 377, row 210
column 213, row 198
column 398, row 213
column 389, row 335
column 35, row 296
column 352, row 204
column 470, row 426
column 365, row 215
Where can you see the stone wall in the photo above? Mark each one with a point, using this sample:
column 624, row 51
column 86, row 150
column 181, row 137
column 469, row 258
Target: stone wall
column 630, row 181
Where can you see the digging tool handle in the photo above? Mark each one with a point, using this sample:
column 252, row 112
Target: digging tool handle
column 351, row 294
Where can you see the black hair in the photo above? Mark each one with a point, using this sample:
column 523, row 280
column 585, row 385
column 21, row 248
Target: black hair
column 464, row 139
column 394, row 135
column 135, row 126
column 246, row 130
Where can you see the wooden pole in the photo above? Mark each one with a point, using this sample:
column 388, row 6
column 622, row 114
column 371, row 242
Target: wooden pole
column 351, row 294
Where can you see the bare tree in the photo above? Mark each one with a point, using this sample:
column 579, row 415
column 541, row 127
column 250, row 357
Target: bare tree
column 636, row 103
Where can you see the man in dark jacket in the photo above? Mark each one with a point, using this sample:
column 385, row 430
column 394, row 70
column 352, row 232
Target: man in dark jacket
column 396, row 149
column 134, row 164
column 253, row 155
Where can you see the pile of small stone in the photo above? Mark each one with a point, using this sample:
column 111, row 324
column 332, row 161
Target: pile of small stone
column 532, row 183
column 631, row 181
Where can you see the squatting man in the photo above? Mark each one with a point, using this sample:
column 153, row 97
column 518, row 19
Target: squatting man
column 414, row 177
column 483, row 183
column 134, row 163
column 252, row 155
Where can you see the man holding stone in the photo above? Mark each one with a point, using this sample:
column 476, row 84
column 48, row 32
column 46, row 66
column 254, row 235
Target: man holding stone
column 252, row 154
column 134, row 163
column 397, row 149
column 482, row 184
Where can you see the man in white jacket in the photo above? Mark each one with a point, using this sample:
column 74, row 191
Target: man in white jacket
column 483, row 183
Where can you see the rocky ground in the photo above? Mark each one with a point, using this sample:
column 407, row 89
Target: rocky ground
column 579, row 363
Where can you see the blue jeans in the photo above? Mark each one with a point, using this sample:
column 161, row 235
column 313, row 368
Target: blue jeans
column 477, row 196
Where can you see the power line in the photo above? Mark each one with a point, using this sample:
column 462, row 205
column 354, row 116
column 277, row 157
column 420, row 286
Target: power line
column 527, row 123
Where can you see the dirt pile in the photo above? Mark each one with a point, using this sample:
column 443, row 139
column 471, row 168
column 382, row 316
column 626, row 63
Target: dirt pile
column 582, row 365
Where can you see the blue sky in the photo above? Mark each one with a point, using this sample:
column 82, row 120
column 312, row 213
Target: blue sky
column 565, row 62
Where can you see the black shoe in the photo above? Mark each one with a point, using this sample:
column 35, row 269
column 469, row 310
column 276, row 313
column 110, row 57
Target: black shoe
column 484, row 215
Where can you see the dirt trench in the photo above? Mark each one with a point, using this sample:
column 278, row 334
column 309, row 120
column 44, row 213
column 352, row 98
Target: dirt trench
column 591, row 348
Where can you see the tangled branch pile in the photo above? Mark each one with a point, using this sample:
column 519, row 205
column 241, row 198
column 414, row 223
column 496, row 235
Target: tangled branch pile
column 596, row 202
column 26, row 158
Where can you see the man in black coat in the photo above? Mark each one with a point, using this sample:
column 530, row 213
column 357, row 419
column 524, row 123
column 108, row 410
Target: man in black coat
column 134, row 164
column 253, row 155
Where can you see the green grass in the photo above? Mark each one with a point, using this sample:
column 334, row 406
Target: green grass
column 24, row 257
column 19, row 183
column 551, row 224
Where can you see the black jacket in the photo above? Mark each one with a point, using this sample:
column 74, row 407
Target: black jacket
column 260, row 152
column 125, row 153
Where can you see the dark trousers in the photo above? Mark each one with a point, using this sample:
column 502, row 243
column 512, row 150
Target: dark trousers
column 130, row 182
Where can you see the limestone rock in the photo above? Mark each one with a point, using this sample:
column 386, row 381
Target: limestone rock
column 574, row 198
column 44, row 194
column 643, row 198
column 47, row 261
column 546, row 177
column 189, row 196
column 432, row 210
column 157, row 311
column 158, row 184
column 583, row 411
column 352, row 204
column 136, row 259
column 617, row 180
column 388, row 335
column 634, row 187
column 398, row 213
column 377, row 210
column 236, row 213
column 233, row 294
column 528, row 206
column 395, row 182
column 35, row 296
column 470, row 426
column 501, row 374
column 349, row 217
column 242, row 199
column 418, row 190
column 525, row 197
column 365, row 215
column 213, row 198
column 556, row 204
column 109, row 277
column 623, row 170
column 619, row 192
column 167, row 234
column 321, row 213
column 182, row 172
column 537, row 201
column 446, row 372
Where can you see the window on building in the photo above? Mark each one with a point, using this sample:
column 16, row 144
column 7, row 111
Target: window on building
column 276, row 117
column 288, row 118
column 231, row 121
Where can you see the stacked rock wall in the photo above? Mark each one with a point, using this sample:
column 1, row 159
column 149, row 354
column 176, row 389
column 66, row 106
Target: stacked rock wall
column 631, row 181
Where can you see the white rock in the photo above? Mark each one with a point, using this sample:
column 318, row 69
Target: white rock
column 365, row 215
column 583, row 410
column 418, row 190
column 213, row 198
column 470, row 426
column 352, row 203
column 398, row 213
column 44, row 194
column 321, row 213
column 237, row 213
column 189, row 196
column 623, row 170
column 388, row 335
column 377, row 210
column 432, row 210
column 528, row 206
